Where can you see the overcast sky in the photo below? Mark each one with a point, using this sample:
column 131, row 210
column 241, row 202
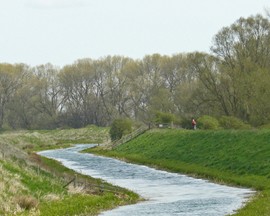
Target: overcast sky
column 61, row 31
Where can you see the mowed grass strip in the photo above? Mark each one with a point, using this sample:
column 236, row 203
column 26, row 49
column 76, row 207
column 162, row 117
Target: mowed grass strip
column 231, row 157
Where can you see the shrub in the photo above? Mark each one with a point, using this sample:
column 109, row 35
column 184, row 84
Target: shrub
column 265, row 126
column 230, row 122
column 207, row 122
column 119, row 128
column 186, row 123
column 161, row 117
column 27, row 202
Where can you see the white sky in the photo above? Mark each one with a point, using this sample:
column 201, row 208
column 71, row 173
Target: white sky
column 61, row 31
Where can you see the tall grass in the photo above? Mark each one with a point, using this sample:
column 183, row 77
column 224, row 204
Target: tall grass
column 32, row 185
column 31, row 141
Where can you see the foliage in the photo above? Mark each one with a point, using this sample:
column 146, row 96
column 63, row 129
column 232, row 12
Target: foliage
column 234, row 80
column 119, row 128
column 186, row 123
column 207, row 122
column 162, row 117
column 230, row 122
column 265, row 126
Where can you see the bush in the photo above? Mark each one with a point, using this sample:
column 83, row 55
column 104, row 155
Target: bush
column 230, row 122
column 265, row 126
column 119, row 128
column 161, row 117
column 207, row 122
column 186, row 123
column 27, row 202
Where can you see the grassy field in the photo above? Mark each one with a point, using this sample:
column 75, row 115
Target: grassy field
column 33, row 185
column 239, row 158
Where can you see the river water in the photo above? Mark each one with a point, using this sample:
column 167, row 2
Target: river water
column 166, row 193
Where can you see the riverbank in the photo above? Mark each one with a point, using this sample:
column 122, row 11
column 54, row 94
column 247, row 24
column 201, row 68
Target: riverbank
column 239, row 158
column 33, row 185
column 166, row 193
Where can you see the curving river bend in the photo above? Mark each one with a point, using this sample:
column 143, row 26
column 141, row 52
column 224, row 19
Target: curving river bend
column 167, row 193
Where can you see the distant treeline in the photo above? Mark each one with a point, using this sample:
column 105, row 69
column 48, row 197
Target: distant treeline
column 233, row 80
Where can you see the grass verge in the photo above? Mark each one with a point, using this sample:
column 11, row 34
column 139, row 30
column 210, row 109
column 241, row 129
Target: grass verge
column 33, row 185
column 240, row 158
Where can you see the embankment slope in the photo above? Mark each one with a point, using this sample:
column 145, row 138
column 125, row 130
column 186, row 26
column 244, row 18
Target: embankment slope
column 232, row 157
column 31, row 185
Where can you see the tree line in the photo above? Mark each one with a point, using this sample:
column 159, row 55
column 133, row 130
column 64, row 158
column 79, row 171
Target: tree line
column 232, row 80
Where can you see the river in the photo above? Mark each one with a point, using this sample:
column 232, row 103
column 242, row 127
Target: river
column 166, row 193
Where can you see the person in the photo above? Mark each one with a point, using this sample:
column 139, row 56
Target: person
column 193, row 122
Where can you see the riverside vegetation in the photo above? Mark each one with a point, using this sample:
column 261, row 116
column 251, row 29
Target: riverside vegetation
column 233, row 157
column 33, row 185
column 233, row 81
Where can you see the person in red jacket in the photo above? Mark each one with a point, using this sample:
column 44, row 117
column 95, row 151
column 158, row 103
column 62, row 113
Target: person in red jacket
column 194, row 123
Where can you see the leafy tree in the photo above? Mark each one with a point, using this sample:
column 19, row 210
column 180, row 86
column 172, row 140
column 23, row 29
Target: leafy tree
column 207, row 90
column 48, row 100
column 164, row 105
column 244, row 52
column 233, row 80
column 21, row 112
column 11, row 77
column 119, row 128
column 76, row 82
column 230, row 80
column 117, row 96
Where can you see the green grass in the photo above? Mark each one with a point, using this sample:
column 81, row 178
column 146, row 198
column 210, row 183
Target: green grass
column 37, row 183
column 85, row 204
column 38, row 140
column 231, row 157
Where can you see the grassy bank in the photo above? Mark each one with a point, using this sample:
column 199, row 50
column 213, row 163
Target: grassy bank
column 232, row 157
column 32, row 185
